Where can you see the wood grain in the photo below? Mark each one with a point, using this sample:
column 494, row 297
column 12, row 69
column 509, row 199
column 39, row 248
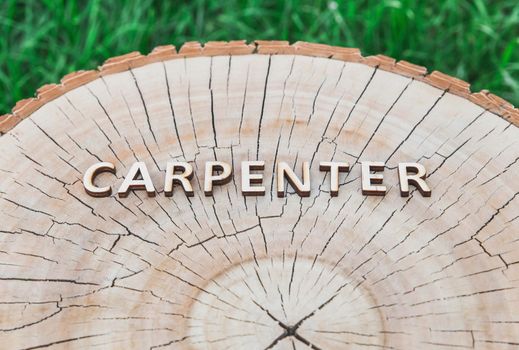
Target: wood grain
column 260, row 272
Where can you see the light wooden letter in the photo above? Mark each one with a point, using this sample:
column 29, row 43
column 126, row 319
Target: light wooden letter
column 334, row 168
column 131, row 181
column 302, row 187
column 90, row 175
column 247, row 178
column 210, row 179
column 368, row 179
column 418, row 174
column 181, row 179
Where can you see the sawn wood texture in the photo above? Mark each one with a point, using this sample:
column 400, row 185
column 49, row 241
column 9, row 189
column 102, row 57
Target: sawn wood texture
column 235, row 272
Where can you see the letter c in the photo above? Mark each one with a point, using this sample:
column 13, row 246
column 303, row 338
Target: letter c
column 90, row 175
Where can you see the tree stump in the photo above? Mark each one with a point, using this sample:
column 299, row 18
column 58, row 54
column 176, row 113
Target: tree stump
column 229, row 271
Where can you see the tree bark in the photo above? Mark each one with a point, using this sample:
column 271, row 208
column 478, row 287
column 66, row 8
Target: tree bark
column 262, row 272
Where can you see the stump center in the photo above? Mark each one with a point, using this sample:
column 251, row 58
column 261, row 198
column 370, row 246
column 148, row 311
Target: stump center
column 268, row 301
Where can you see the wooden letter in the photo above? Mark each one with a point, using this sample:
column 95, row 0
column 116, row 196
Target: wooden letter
column 131, row 181
column 90, row 175
column 224, row 177
column 247, row 178
column 417, row 178
column 368, row 179
column 181, row 179
column 302, row 188
column 335, row 168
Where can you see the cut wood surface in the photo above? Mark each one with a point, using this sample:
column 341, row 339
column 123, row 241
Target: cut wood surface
column 260, row 272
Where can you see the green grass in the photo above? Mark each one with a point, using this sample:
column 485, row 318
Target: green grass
column 474, row 40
